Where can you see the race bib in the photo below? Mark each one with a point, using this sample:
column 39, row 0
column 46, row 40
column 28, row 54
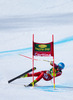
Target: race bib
column 45, row 76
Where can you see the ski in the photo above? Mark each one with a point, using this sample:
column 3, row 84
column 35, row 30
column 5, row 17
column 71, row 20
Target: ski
column 19, row 76
column 27, row 86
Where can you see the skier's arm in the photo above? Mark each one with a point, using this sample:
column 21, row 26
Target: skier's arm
column 59, row 73
column 51, row 63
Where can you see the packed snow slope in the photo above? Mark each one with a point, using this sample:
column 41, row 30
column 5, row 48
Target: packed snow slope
column 19, row 19
column 25, row 7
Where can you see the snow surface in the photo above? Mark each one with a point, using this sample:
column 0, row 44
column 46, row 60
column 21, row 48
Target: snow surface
column 18, row 21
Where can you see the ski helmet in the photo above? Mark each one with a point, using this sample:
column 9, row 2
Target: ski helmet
column 61, row 65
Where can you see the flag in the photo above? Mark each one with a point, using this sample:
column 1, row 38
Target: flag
column 43, row 49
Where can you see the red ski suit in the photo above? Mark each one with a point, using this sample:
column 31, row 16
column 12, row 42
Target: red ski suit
column 44, row 75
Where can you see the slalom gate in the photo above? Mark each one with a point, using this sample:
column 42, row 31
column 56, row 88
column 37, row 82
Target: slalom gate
column 43, row 50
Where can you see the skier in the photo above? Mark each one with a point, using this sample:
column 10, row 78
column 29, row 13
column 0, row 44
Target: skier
column 47, row 74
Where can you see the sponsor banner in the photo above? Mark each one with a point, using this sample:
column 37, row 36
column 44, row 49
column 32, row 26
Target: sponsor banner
column 43, row 49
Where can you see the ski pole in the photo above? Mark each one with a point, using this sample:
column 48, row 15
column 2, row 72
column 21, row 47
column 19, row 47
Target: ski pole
column 34, row 59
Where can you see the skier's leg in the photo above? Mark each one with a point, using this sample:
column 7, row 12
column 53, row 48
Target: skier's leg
column 30, row 74
column 37, row 79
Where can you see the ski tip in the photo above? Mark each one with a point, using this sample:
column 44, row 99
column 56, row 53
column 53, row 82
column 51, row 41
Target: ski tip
column 9, row 81
column 26, row 86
